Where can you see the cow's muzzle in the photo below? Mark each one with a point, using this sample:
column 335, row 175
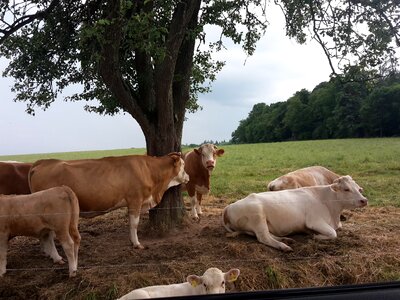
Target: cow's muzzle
column 363, row 202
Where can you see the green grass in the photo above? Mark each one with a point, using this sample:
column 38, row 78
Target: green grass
column 244, row 169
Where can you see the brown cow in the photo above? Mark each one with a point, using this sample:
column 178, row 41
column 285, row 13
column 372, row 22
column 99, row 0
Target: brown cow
column 14, row 178
column 310, row 176
column 105, row 184
column 45, row 214
column 199, row 163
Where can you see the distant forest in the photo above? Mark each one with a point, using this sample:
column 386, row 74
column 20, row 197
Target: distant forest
column 349, row 106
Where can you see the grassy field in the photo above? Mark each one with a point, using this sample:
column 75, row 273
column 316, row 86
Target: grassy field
column 244, row 169
column 366, row 250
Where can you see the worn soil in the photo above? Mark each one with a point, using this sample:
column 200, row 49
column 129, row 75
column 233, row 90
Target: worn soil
column 367, row 250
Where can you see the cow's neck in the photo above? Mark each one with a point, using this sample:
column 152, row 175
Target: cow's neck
column 333, row 204
column 162, row 175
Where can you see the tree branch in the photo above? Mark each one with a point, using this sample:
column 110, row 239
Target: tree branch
column 25, row 20
column 109, row 67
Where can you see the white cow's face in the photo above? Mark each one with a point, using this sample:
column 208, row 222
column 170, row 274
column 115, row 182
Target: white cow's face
column 209, row 153
column 213, row 280
column 182, row 176
column 349, row 192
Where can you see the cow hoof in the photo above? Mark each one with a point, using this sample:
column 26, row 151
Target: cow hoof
column 138, row 247
column 72, row 274
column 60, row 262
column 286, row 249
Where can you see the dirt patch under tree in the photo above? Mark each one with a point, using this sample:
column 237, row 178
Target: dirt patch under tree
column 367, row 250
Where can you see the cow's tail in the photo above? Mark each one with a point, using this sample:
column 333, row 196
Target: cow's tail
column 225, row 219
column 73, row 224
column 30, row 174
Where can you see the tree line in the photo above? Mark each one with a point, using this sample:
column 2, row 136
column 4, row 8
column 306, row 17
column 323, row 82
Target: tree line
column 348, row 106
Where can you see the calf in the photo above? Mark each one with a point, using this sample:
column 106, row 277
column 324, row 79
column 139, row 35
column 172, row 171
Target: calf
column 45, row 214
column 14, row 178
column 199, row 163
column 310, row 176
column 212, row 282
column 272, row 215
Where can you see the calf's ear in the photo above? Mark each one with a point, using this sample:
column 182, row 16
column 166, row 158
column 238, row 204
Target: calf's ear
column 197, row 151
column 232, row 275
column 194, row 280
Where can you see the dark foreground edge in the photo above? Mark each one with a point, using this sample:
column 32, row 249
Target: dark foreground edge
column 372, row 291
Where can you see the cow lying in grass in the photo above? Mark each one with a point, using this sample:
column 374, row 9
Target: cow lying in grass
column 310, row 176
column 211, row 282
column 271, row 216
column 45, row 214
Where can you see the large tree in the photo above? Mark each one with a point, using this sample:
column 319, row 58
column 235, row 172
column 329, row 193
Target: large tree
column 150, row 58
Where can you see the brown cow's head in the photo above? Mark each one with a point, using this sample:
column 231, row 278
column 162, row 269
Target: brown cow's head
column 349, row 193
column 208, row 154
column 179, row 165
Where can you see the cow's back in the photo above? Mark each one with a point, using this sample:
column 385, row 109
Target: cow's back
column 14, row 178
column 98, row 183
column 34, row 212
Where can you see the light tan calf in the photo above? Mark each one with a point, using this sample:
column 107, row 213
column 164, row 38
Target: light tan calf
column 310, row 176
column 46, row 214
column 211, row 282
column 272, row 215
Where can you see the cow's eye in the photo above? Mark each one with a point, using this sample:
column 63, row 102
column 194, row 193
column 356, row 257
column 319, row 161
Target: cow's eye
column 205, row 286
column 223, row 283
column 347, row 190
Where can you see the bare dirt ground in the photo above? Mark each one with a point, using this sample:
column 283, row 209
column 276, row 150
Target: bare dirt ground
column 367, row 250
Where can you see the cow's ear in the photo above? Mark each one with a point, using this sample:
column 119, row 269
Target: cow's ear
column 176, row 156
column 335, row 186
column 220, row 152
column 232, row 275
column 197, row 151
column 194, row 280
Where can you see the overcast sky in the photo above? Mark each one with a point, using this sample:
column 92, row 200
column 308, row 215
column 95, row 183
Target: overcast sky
column 278, row 69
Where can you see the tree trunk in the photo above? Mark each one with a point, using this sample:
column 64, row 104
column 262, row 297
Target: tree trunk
column 170, row 212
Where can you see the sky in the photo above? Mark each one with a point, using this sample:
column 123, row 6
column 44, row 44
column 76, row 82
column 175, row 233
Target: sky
column 279, row 68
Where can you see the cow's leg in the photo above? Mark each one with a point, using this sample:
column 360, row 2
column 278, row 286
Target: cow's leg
column 133, row 226
column 193, row 204
column 198, row 203
column 76, row 237
column 283, row 239
column 325, row 232
column 68, row 246
column 263, row 235
column 48, row 247
column 3, row 253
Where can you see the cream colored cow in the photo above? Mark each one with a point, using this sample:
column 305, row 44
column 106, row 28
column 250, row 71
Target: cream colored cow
column 310, row 176
column 211, row 282
column 271, row 216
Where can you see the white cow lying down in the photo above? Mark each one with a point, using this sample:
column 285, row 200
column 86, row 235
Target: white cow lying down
column 272, row 215
column 212, row 282
column 45, row 214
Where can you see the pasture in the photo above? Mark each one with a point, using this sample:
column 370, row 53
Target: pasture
column 367, row 248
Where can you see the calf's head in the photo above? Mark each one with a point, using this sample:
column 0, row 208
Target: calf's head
column 213, row 280
column 208, row 154
column 349, row 192
column 283, row 183
column 179, row 169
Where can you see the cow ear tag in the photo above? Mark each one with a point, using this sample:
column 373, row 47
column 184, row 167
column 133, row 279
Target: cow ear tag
column 193, row 282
